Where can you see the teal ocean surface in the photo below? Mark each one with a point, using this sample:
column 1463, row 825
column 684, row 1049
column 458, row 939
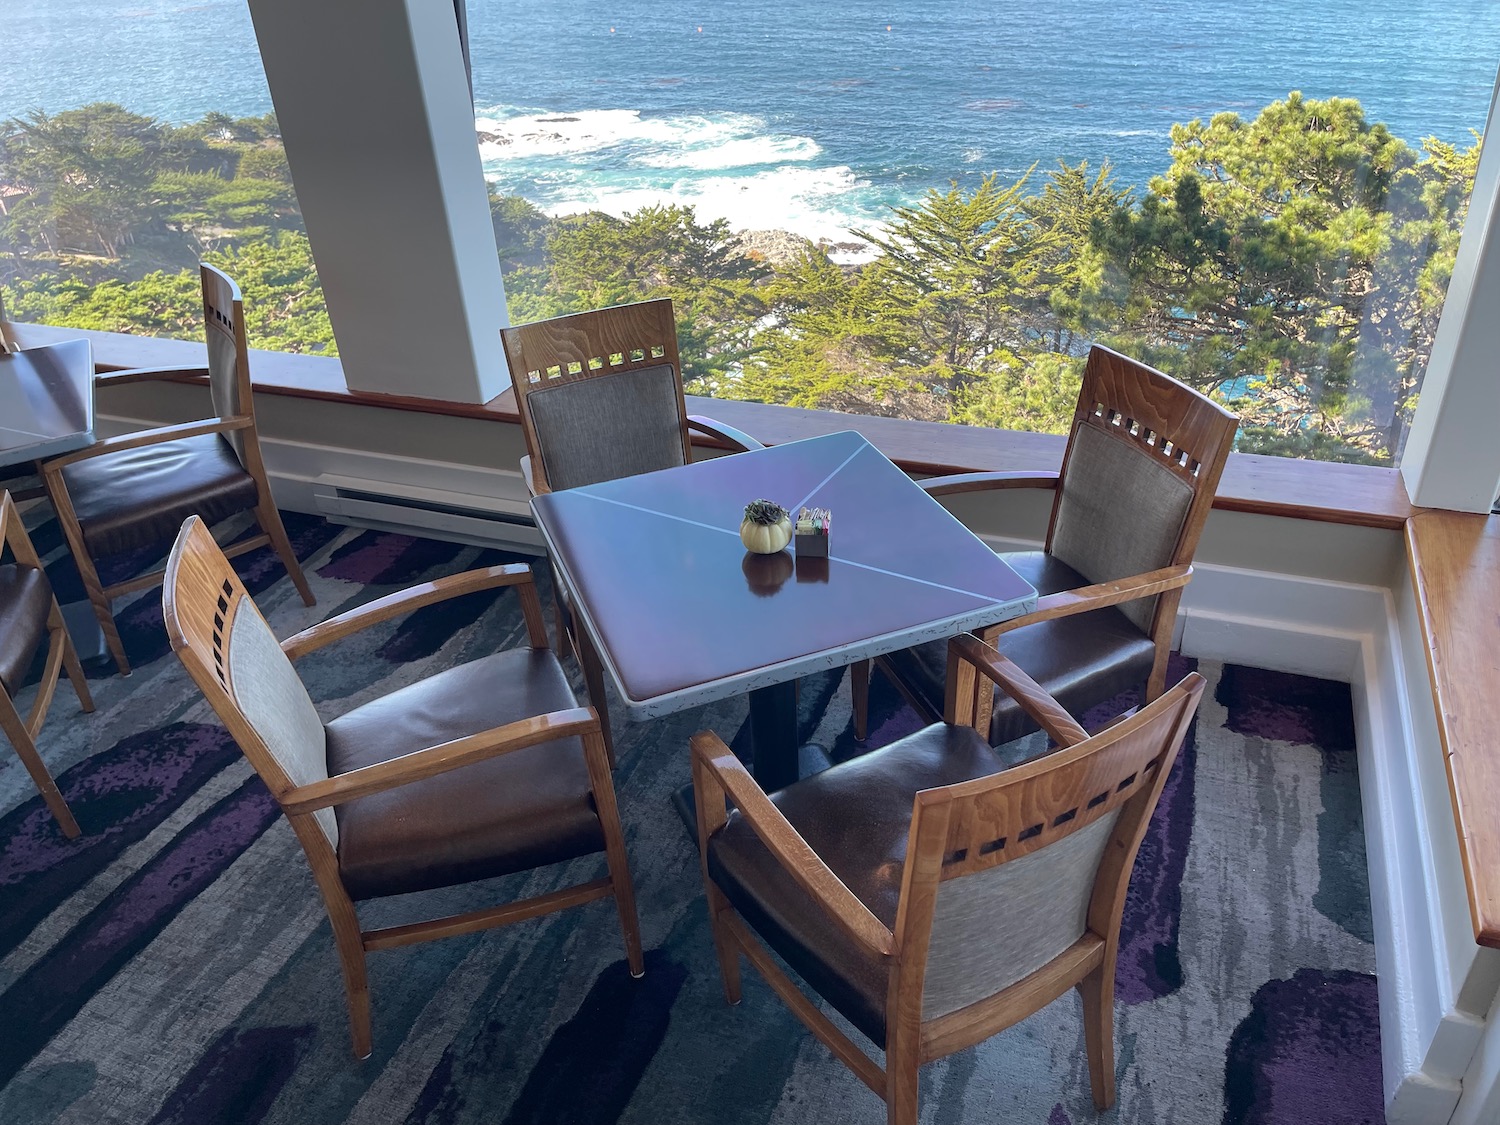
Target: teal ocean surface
column 807, row 115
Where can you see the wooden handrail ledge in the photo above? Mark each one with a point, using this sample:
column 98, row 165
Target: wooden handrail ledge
column 1454, row 559
column 1273, row 486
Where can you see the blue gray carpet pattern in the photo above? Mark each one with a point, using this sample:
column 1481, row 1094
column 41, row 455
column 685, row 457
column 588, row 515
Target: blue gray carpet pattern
column 174, row 966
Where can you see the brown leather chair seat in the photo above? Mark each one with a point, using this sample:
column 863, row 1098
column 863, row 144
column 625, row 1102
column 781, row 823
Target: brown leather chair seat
column 509, row 813
column 25, row 602
column 139, row 497
column 856, row 817
column 1082, row 659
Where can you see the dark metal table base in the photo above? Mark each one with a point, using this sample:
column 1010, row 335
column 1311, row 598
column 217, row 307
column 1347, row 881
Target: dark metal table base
column 777, row 759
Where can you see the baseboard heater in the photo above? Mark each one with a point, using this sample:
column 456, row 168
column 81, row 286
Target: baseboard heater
column 483, row 521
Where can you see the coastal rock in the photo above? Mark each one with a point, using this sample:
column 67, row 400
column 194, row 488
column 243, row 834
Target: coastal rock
column 491, row 138
column 774, row 247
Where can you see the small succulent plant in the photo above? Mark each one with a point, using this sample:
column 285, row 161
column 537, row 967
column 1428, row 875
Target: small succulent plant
column 764, row 512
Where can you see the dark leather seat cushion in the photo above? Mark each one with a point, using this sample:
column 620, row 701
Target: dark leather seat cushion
column 139, row 497
column 856, row 817
column 1082, row 660
column 25, row 602
column 509, row 813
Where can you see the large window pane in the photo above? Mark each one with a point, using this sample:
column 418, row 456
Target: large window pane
column 949, row 202
column 136, row 138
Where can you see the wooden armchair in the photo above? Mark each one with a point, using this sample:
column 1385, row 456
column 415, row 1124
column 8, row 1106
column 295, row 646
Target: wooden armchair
column 931, row 896
column 600, row 397
column 1137, row 482
column 134, row 491
column 479, row 771
column 29, row 612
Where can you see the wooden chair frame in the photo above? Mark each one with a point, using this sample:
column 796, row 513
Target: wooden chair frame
column 569, row 349
column 223, row 312
column 200, row 597
column 1190, row 434
column 586, row 345
column 61, row 656
column 953, row 833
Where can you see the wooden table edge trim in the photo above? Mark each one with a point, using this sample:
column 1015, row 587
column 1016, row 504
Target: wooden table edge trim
column 1328, row 492
column 1450, row 696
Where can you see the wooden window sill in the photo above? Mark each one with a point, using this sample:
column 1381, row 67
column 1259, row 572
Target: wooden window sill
column 1454, row 559
column 1272, row 486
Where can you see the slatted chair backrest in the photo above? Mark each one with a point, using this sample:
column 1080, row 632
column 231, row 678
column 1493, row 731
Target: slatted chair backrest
column 1008, row 875
column 600, row 394
column 235, row 659
column 229, row 360
column 1142, row 465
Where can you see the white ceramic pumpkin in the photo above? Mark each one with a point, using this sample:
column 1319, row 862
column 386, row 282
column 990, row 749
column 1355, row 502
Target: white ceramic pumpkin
column 766, row 527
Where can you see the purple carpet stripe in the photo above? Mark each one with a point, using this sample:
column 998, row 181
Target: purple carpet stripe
column 238, row 1078
column 57, row 987
column 1059, row 1116
column 594, row 1062
column 1150, row 965
column 380, row 558
column 118, row 796
column 1287, row 708
column 1309, row 1051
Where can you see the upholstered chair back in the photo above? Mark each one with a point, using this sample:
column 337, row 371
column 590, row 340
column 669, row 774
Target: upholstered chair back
column 600, row 393
column 1144, row 459
column 1008, row 873
column 228, row 353
column 235, row 659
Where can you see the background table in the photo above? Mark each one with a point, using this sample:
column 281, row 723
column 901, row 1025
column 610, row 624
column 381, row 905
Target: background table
column 46, row 401
column 683, row 615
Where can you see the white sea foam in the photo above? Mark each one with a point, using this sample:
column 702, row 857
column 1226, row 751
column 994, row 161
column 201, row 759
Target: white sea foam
column 728, row 166
column 743, row 152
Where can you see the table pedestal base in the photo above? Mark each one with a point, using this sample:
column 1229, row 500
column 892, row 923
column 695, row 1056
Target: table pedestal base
column 811, row 759
column 83, row 627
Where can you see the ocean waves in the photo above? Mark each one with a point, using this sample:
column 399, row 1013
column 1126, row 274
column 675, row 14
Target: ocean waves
column 731, row 166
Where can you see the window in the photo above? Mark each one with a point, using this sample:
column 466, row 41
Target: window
column 127, row 157
column 933, row 213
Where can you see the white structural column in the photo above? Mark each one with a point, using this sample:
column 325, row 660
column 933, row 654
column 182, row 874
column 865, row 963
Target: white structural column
column 374, row 108
column 1452, row 456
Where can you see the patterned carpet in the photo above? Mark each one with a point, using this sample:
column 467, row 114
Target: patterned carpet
column 174, row 967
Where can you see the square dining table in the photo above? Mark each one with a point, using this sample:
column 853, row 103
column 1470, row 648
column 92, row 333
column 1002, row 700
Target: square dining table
column 46, row 401
column 683, row 615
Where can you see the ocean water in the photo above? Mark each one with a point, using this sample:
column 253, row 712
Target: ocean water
column 809, row 115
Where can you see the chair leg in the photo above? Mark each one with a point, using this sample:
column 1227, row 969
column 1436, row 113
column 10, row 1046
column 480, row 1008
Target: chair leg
column 20, row 737
column 564, row 640
column 859, row 690
column 724, row 945
column 67, row 518
column 351, row 948
column 619, row 864
column 71, row 663
column 902, row 1064
column 593, row 680
column 270, row 522
column 1098, row 993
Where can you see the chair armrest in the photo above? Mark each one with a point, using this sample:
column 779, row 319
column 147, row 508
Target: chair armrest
column 146, row 374
column 715, row 764
column 983, row 482
column 159, row 436
column 433, row 760
column 1034, row 699
column 740, row 441
column 414, row 598
column 1098, row 596
column 534, row 486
